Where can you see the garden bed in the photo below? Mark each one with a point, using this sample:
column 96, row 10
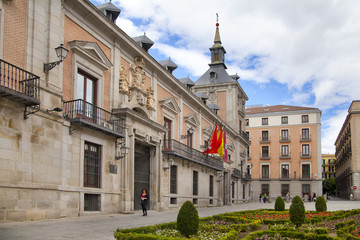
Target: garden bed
column 258, row 224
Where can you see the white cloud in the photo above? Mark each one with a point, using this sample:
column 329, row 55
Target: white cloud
column 312, row 47
column 331, row 129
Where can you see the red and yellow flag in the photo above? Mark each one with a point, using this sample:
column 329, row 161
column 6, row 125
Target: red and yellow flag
column 213, row 146
column 220, row 139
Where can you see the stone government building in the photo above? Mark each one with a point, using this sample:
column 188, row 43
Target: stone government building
column 84, row 133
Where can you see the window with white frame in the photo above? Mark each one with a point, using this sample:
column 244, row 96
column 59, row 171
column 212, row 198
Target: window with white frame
column 285, row 171
column 265, row 171
column 284, row 134
column 284, row 150
column 305, row 150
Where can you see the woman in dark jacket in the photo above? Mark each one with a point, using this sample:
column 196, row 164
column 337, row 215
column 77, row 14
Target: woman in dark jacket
column 144, row 201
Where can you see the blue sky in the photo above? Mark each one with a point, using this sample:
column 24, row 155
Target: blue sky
column 300, row 53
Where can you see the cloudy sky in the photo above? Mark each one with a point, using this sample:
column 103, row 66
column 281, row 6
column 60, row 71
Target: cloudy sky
column 300, row 53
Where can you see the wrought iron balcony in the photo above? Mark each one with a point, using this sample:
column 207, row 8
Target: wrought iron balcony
column 173, row 147
column 285, row 139
column 264, row 139
column 245, row 136
column 86, row 114
column 305, row 138
column 246, row 176
column 236, row 173
column 18, row 84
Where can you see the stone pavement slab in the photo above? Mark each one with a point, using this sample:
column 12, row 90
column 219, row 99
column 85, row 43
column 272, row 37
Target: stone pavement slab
column 102, row 227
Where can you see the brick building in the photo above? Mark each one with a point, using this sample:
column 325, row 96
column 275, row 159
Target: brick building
column 84, row 133
column 285, row 151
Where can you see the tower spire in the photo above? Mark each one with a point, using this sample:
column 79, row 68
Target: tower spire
column 217, row 50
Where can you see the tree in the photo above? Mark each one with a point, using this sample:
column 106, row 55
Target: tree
column 279, row 204
column 188, row 219
column 329, row 186
column 297, row 211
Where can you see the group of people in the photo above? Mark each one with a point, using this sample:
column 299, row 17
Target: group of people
column 263, row 197
column 312, row 198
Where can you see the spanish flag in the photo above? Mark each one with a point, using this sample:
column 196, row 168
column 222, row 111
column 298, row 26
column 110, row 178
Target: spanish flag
column 220, row 139
column 213, row 146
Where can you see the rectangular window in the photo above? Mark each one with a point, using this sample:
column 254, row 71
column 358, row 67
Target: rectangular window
column 167, row 135
column 92, row 202
column 211, row 186
column 284, row 134
column 285, row 188
column 240, row 125
column 304, row 118
column 265, row 189
column 264, row 121
column 92, row 165
column 284, row 120
column 173, row 179
column 305, row 150
column 265, row 151
column 247, row 122
column 285, row 150
column 86, row 89
column 232, row 189
column 195, row 182
column 265, row 171
column 305, row 133
column 265, row 136
column 189, row 140
column 173, row 200
column 306, row 189
column 305, row 171
column 285, row 172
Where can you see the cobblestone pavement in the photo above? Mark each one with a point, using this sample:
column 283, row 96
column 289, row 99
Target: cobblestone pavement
column 102, row 227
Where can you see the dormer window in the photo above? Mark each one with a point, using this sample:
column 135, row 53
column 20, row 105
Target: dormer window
column 212, row 75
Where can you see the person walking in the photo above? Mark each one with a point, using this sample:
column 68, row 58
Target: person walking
column 144, row 201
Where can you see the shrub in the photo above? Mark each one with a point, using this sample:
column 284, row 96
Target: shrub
column 297, row 211
column 188, row 219
column 279, row 204
column 320, row 204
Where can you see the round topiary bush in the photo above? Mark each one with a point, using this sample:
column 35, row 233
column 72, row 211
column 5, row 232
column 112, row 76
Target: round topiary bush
column 279, row 204
column 188, row 219
column 297, row 211
column 320, row 204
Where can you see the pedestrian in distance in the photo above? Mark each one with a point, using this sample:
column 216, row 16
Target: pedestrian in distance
column 144, row 201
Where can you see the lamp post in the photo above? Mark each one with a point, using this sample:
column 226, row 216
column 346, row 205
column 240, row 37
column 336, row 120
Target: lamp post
column 123, row 152
column 61, row 53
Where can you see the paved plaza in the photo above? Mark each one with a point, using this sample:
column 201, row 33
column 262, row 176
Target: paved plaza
column 102, row 227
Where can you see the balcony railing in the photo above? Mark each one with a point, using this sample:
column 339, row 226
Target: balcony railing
column 264, row 139
column 246, row 176
column 236, row 173
column 171, row 146
column 245, row 136
column 84, row 113
column 305, row 155
column 18, row 84
column 285, row 139
column 305, row 138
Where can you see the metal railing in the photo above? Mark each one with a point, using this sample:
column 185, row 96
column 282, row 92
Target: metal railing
column 245, row 136
column 236, row 173
column 247, row 176
column 171, row 146
column 89, row 114
column 17, row 82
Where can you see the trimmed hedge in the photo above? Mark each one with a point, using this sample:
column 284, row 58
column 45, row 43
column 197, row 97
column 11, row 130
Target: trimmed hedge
column 297, row 211
column 279, row 204
column 320, row 204
column 188, row 219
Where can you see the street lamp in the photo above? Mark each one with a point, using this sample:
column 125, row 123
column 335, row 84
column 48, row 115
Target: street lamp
column 122, row 153
column 191, row 131
column 61, row 53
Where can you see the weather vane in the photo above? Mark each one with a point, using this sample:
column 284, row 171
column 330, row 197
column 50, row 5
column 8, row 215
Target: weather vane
column 217, row 17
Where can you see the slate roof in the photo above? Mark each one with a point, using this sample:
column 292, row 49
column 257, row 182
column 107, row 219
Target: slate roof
column 213, row 106
column 201, row 95
column 144, row 42
column 221, row 76
column 187, row 81
column 109, row 7
column 276, row 108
